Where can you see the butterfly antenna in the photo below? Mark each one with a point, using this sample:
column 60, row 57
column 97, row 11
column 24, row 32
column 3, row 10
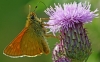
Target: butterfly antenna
column 38, row 3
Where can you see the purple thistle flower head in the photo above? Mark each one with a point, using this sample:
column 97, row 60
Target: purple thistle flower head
column 69, row 14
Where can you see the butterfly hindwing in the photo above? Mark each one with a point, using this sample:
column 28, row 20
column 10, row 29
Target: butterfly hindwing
column 31, row 43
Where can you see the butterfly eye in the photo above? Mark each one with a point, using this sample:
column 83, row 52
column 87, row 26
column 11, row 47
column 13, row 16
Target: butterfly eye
column 32, row 17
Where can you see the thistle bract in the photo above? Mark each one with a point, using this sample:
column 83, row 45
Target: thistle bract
column 76, row 43
column 69, row 14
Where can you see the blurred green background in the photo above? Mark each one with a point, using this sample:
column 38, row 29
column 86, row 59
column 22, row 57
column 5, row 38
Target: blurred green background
column 13, row 15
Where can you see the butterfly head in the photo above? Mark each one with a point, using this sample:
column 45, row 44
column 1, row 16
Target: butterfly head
column 32, row 16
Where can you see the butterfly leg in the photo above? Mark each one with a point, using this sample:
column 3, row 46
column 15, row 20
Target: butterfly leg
column 45, row 19
column 48, row 35
column 51, row 35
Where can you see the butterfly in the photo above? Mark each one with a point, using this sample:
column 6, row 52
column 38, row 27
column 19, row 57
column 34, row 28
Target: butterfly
column 31, row 41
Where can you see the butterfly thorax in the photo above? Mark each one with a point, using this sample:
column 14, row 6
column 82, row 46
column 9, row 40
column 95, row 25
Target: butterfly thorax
column 35, row 23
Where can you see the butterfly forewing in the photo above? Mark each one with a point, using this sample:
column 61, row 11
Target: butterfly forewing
column 13, row 49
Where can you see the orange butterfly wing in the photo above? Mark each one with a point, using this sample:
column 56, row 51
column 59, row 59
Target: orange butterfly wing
column 13, row 49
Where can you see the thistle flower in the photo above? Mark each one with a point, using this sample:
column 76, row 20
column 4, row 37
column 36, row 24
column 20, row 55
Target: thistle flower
column 68, row 15
column 69, row 20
